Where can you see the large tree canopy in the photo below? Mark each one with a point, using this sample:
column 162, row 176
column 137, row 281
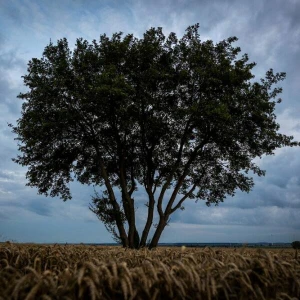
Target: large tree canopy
column 163, row 113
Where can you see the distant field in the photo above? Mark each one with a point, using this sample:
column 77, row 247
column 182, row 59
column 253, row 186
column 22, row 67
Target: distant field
column 29, row 271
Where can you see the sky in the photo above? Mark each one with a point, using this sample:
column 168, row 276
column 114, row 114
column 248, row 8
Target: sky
column 269, row 31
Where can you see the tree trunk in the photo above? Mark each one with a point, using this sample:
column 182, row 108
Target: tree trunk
column 133, row 235
column 160, row 227
column 119, row 223
column 149, row 221
column 134, row 242
column 128, row 204
column 136, row 239
column 132, row 229
column 124, row 239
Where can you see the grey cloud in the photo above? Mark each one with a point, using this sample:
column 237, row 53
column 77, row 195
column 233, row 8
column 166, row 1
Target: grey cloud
column 28, row 202
column 260, row 216
column 181, row 232
column 275, row 199
column 287, row 12
column 54, row 230
column 262, row 13
column 41, row 207
column 3, row 216
column 282, row 167
column 18, row 197
column 12, row 12
column 12, row 178
column 297, row 127
column 8, row 99
column 5, row 175
column 10, row 59
column 280, row 187
column 36, row 206
column 10, row 65
column 266, row 194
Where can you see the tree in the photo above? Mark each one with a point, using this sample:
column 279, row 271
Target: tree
column 296, row 246
column 159, row 112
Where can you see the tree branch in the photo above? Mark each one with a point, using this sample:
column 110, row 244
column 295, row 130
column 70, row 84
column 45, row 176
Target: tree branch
column 183, row 198
column 183, row 176
column 176, row 165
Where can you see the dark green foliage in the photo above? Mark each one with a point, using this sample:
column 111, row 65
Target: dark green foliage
column 163, row 112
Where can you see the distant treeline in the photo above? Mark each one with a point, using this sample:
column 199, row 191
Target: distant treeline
column 203, row 245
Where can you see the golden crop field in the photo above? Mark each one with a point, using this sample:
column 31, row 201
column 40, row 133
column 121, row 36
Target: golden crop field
column 96, row 272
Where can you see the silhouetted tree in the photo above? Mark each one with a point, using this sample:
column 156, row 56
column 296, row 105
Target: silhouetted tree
column 183, row 115
column 296, row 246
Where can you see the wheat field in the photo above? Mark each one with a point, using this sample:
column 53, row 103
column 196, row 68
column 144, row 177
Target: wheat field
column 97, row 272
